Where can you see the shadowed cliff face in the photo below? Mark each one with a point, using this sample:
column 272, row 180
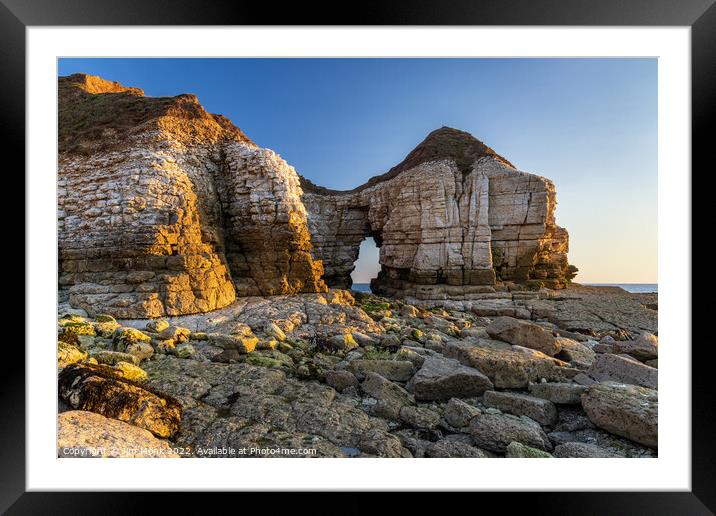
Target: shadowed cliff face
column 165, row 209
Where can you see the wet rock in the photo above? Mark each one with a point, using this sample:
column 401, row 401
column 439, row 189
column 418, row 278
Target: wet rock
column 86, row 434
column 538, row 409
column 608, row 367
column 523, row 333
column 645, row 347
column 506, row 369
column 560, row 393
column 583, row 451
column 442, row 378
column 394, row 370
column 517, row 450
column 100, row 389
column 625, row 410
column 494, row 432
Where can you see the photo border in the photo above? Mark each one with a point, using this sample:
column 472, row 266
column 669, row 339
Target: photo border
column 700, row 15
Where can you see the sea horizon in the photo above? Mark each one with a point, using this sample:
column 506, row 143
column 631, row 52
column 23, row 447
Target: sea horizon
column 634, row 288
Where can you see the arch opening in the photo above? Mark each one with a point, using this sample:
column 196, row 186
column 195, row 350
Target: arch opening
column 367, row 266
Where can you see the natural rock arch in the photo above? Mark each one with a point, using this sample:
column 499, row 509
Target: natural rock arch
column 450, row 220
column 165, row 209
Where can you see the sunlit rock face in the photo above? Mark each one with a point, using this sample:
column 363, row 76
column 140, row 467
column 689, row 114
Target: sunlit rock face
column 164, row 209
column 451, row 220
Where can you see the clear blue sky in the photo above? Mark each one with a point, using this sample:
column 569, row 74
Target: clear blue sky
column 590, row 125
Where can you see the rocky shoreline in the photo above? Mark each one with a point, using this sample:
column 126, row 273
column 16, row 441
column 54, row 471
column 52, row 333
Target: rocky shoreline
column 203, row 311
column 516, row 373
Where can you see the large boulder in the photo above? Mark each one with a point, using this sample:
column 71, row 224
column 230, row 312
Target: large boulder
column 645, row 347
column 541, row 410
column 625, row 410
column 506, row 369
column 86, row 434
column 576, row 352
column 495, row 432
column 442, row 378
column 391, row 397
column 615, row 368
column 524, row 333
column 102, row 390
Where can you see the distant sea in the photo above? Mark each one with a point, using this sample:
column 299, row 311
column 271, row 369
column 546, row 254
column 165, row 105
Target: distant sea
column 636, row 288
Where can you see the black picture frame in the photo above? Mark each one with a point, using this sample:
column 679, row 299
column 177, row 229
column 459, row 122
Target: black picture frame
column 700, row 15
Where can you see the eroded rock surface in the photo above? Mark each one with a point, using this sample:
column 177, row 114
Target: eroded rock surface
column 450, row 220
column 263, row 377
column 82, row 434
column 165, row 209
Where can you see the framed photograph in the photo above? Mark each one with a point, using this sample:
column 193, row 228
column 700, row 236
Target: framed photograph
column 410, row 254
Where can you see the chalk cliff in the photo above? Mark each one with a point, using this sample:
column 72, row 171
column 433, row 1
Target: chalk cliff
column 165, row 209
column 451, row 220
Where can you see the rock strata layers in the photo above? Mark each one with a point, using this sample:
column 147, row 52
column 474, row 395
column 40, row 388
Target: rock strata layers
column 165, row 209
column 450, row 220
